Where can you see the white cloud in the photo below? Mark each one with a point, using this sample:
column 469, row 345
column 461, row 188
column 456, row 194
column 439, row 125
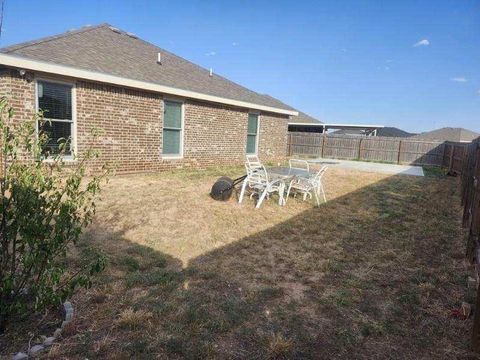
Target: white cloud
column 478, row 92
column 211, row 53
column 388, row 61
column 423, row 42
column 459, row 79
column 235, row 43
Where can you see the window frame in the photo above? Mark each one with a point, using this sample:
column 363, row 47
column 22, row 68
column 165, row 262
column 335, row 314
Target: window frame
column 257, row 135
column 182, row 128
column 73, row 122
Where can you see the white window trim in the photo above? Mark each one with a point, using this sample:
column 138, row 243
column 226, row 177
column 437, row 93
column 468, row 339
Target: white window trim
column 182, row 131
column 67, row 158
column 257, row 137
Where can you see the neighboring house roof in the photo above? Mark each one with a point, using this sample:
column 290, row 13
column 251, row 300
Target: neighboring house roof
column 104, row 49
column 393, row 132
column 449, row 134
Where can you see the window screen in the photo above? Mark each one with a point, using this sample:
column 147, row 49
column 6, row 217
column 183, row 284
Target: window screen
column 252, row 131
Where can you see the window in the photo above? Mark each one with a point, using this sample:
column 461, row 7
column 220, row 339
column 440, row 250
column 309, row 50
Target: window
column 55, row 100
column 172, row 128
column 252, row 132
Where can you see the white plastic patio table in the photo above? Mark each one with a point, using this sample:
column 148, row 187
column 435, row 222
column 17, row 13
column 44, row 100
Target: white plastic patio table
column 286, row 174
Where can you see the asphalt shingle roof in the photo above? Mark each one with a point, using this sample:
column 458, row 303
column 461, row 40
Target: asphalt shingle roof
column 448, row 134
column 105, row 49
column 301, row 118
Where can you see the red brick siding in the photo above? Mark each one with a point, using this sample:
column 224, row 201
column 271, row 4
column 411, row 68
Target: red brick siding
column 20, row 95
column 273, row 138
column 131, row 127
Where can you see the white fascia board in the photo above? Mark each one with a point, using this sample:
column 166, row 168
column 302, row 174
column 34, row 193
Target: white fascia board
column 50, row 68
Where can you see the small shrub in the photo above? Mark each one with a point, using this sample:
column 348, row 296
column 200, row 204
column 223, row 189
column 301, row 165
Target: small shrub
column 43, row 209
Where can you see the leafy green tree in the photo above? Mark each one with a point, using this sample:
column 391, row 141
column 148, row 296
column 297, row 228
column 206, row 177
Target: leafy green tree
column 44, row 206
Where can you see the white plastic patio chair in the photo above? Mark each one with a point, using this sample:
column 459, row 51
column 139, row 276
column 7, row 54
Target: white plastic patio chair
column 309, row 187
column 253, row 166
column 298, row 164
column 252, row 162
column 257, row 182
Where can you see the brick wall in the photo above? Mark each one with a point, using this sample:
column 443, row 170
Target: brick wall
column 130, row 122
column 273, row 138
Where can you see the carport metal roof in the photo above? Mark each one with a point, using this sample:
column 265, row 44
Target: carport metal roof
column 322, row 128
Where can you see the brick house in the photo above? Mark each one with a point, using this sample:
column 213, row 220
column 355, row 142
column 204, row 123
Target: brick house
column 155, row 109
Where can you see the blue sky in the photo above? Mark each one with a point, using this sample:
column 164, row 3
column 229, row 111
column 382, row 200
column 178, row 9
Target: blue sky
column 410, row 64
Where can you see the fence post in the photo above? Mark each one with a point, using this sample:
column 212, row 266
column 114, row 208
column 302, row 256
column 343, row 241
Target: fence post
column 444, row 154
column 359, row 157
column 450, row 165
column 323, row 144
column 399, row 151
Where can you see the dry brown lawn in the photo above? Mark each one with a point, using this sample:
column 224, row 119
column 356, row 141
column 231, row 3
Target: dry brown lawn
column 372, row 274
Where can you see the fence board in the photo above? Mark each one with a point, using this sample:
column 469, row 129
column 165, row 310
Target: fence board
column 383, row 149
column 339, row 147
column 380, row 149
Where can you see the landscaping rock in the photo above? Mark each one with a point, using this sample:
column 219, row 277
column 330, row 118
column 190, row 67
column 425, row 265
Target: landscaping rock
column 472, row 283
column 69, row 315
column 49, row 341
column 35, row 349
column 67, row 305
column 20, row 356
column 466, row 310
column 57, row 333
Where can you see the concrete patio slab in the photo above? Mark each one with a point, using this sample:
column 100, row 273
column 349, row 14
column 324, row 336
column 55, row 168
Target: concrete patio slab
column 371, row 166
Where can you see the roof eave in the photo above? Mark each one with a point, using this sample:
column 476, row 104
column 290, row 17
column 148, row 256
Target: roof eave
column 51, row 68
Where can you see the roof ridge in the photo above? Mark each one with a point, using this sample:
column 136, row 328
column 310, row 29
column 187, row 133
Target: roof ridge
column 25, row 44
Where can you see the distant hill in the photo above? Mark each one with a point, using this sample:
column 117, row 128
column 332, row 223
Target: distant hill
column 449, row 134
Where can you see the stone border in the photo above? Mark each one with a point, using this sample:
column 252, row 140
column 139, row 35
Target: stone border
column 36, row 349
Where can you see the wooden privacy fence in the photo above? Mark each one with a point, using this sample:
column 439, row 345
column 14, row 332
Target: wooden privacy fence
column 376, row 148
column 471, row 220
